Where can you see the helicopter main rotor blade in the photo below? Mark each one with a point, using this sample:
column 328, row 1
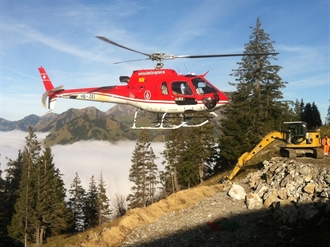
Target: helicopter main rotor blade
column 159, row 57
column 136, row 60
column 121, row 46
column 223, row 55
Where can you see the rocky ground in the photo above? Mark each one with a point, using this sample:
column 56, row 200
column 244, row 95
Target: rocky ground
column 221, row 220
column 286, row 203
column 215, row 221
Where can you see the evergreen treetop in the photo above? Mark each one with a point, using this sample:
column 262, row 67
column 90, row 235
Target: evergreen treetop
column 143, row 173
column 76, row 204
column 255, row 107
column 104, row 211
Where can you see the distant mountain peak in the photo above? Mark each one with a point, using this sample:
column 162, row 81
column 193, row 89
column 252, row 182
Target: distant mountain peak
column 121, row 109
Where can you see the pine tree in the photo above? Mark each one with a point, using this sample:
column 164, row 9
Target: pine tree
column 91, row 205
column 3, row 211
column 40, row 208
column 104, row 211
column 301, row 108
column 120, row 206
column 151, row 175
column 308, row 114
column 186, row 153
column 317, row 121
column 21, row 226
column 255, row 107
column 142, row 173
column 297, row 111
column 10, row 187
column 327, row 118
column 213, row 162
column 311, row 116
column 201, row 151
column 52, row 216
column 174, row 149
column 197, row 147
column 200, row 146
column 165, row 181
column 76, row 204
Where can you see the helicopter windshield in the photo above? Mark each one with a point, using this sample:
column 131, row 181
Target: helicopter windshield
column 203, row 87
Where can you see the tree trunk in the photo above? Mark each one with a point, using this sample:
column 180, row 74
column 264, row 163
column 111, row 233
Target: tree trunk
column 38, row 236
column 42, row 235
column 26, row 206
column 201, row 172
column 175, row 181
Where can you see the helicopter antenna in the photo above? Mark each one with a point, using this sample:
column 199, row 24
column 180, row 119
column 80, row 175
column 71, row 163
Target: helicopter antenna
column 186, row 68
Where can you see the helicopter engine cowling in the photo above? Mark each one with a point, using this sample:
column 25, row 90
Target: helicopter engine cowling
column 210, row 102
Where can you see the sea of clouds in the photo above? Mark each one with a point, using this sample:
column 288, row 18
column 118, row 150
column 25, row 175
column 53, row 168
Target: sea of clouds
column 85, row 157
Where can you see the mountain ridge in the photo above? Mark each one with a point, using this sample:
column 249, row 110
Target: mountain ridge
column 82, row 124
column 41, row 123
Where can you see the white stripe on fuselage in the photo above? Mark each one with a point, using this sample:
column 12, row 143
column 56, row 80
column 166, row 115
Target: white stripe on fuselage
column 160, row 106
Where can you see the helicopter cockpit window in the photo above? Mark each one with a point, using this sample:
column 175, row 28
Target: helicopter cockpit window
column 202, row 87
column 181, row 87
column 164, row 88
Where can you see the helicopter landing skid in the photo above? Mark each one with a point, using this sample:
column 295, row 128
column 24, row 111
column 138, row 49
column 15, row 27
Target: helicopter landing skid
column 162, row 126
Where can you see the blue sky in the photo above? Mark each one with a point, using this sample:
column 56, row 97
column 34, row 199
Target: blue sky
column 60, row 36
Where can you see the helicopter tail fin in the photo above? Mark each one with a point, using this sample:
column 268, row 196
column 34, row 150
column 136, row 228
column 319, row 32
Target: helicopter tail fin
column 45, row 79
column 50, row 90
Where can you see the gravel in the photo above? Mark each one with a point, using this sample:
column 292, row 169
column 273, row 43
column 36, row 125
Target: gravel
column 215, row 221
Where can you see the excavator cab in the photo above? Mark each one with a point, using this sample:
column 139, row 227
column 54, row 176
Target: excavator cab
column 297, row 137
column 295, row 132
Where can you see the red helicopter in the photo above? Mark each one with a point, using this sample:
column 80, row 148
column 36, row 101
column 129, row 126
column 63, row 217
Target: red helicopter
column 162, row 92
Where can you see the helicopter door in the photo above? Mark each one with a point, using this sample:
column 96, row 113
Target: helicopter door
column 183, row 95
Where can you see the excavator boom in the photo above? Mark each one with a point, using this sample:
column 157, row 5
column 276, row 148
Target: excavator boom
column 269, row 138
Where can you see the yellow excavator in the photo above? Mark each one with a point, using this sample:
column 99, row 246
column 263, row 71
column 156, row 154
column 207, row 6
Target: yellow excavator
column 297, row 142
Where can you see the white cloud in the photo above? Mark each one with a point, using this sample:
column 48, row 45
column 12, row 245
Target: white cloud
column 11, row 142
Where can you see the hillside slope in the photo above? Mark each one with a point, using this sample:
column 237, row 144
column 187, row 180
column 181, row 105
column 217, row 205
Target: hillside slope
column 208, row 216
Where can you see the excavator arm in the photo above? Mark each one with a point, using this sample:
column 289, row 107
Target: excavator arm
column 269, row 138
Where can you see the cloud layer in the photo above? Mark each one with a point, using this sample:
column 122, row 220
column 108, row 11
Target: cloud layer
column 87, row 158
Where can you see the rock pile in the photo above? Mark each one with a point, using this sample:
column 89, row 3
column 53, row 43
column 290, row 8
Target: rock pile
column 294, row 190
